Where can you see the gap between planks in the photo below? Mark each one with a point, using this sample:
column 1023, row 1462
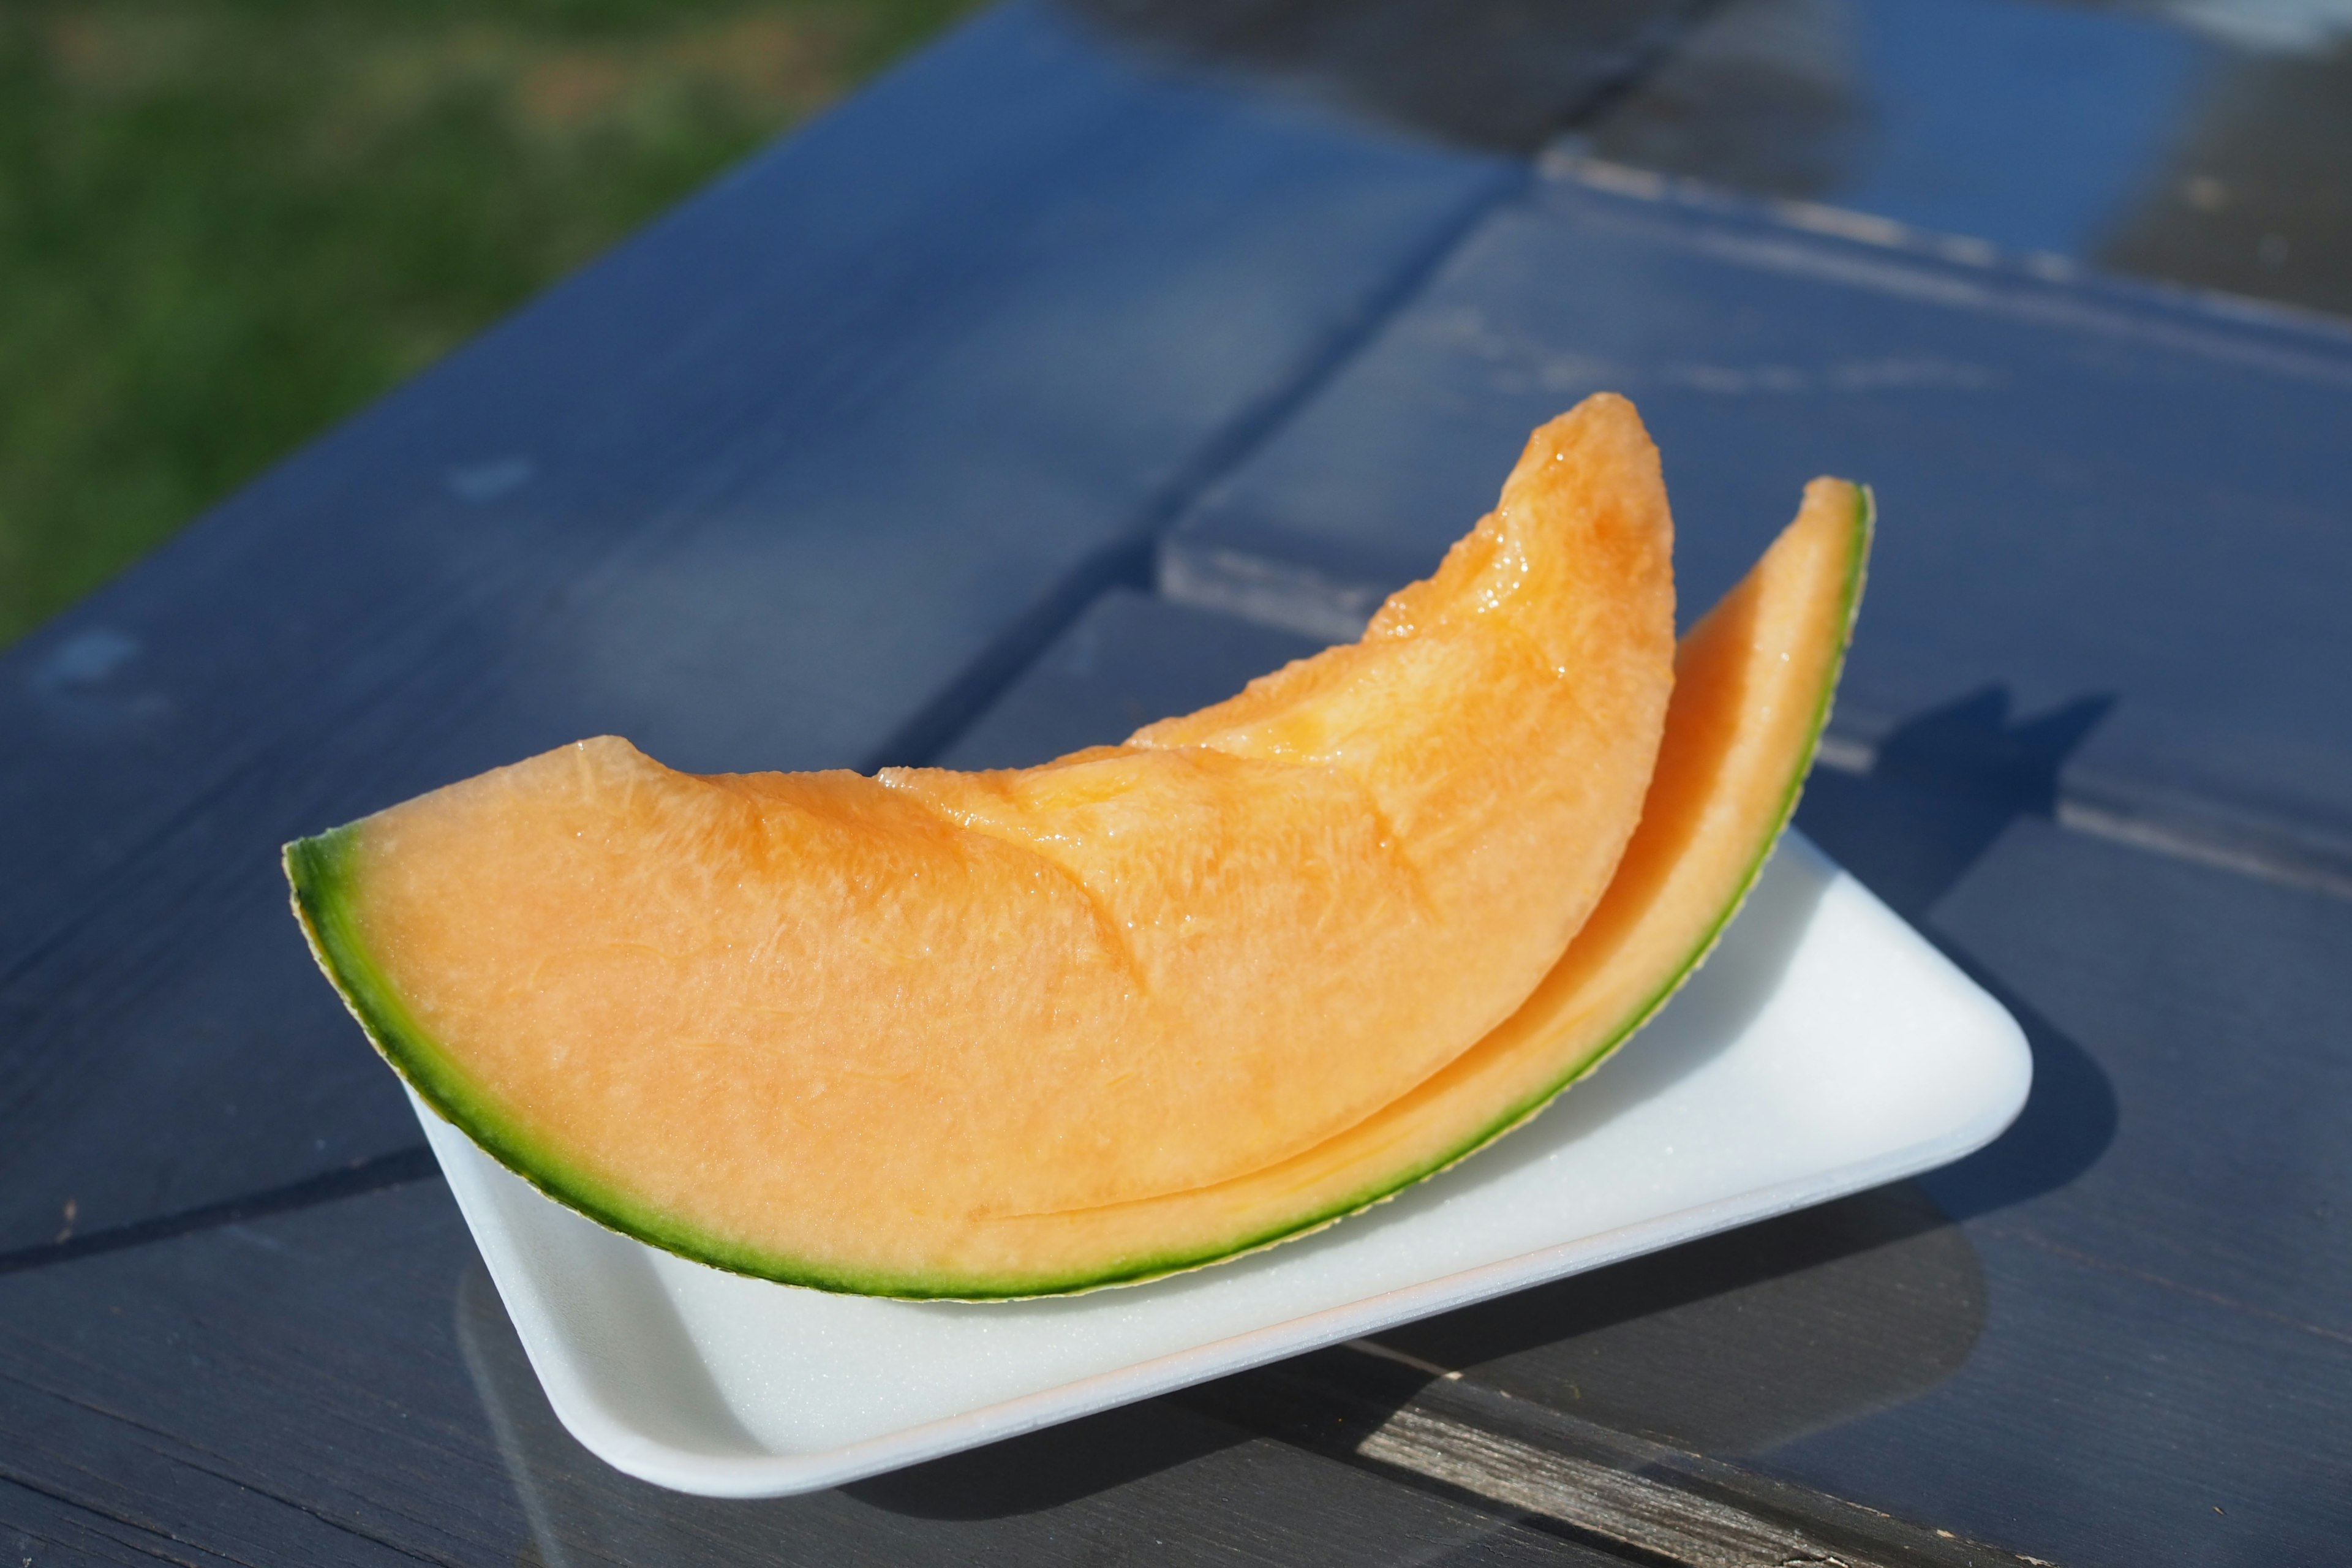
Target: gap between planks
column 398, row 1168
column 1603, row 1487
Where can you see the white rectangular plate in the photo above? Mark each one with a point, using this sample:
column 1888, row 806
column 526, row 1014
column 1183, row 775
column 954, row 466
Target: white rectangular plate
column 1825, row 1048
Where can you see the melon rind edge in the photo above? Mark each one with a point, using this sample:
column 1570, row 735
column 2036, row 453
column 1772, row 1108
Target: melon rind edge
column 322, row 873
column 1859, row 537
column 1865, row 525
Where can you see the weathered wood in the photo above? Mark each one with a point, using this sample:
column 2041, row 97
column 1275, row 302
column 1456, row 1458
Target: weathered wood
column 1644, row 1499
column 283, row 1391
column 38, row 1528
column 2188, row 1021
column 2091, row 104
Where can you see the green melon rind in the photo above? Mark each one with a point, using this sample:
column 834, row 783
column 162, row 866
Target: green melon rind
column 323, row 874
column 1866, row 518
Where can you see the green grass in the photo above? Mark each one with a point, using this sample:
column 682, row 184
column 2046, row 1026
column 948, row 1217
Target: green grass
column 225, row 224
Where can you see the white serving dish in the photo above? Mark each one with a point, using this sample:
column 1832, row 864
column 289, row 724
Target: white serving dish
column 1825, row 1048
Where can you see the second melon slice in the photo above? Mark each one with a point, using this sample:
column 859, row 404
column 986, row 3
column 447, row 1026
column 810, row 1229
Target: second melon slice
column 1753, row 682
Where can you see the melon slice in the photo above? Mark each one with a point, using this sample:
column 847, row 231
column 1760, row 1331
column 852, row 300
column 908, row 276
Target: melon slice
column 1752, row 690
column 824, row 1027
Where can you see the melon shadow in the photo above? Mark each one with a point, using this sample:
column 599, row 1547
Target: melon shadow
column 1942, row 786
column 1737, row 1342
column 1719, row 1344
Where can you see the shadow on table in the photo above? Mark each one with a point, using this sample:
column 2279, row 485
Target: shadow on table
column 584, row 1511
column 1734, row 1343
column 1045, row 1469
column 1741, row 1341
column 1943, row 787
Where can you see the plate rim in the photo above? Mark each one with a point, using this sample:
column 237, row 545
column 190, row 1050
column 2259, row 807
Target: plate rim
column 631, row 1449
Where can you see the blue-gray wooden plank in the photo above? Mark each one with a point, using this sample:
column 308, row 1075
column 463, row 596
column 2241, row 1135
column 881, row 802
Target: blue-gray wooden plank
column 2087, row 493
column 780, row 484
column 36, row 1527
column 2166, row 1372
column 2031, row 127
column 2201, row 144
column 1130, row 659
column 2157, row 1362
column 2121, row 1334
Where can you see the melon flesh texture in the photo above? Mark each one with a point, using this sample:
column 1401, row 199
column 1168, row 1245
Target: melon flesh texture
column 824, row 1027
column 1753, row 681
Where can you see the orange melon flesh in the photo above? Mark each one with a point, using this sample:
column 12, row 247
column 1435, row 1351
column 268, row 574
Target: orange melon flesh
column 819, row 1027
column 1752, row 689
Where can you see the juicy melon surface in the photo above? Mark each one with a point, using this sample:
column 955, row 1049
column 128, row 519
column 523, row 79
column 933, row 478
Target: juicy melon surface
column 828, row 1029
column 1753, row 683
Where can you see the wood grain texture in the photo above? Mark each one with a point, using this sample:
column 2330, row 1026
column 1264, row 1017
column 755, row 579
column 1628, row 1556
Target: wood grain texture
column 786, row 483
column 283, row 1391
column 49, row 1532
column 1650, row 1501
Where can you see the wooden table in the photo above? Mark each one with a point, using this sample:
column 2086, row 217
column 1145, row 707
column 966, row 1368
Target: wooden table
column 1052, row 384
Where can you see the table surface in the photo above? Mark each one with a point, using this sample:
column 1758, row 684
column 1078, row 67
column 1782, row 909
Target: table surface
column 1103, row 355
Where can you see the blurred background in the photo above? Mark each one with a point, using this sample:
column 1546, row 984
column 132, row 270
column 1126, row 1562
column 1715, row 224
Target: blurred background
column 225, row 224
